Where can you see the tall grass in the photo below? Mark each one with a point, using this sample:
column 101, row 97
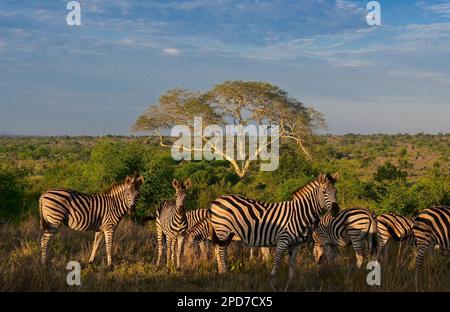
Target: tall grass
column 135, row 249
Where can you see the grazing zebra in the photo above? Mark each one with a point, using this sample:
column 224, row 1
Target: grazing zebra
column 391, row 225
column 81, row 212
column 171, row 223
column 198, row 228
column 431, row 227
column 283, row 224
column 350, row 226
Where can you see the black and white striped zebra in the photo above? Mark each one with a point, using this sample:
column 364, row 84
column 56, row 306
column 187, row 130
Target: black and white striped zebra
column 351, row 226
column 82, row 212
column 201, row 232
column 393, row 226
column 283, row 224
column 431, row 227
column 199, row 229
column 172, row 224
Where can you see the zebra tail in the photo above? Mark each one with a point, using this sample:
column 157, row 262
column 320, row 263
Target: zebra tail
column 43, row 224
column 373, row 234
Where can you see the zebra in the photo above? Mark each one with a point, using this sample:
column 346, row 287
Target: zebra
column 82, row 212
column 198, row 229
column 172, row 224
column 391, row 225
column 201, row 232
column 283, row 224
column 431, row 227
column 350, row 226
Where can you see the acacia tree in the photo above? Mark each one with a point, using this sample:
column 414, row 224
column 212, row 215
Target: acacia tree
column 238, row 102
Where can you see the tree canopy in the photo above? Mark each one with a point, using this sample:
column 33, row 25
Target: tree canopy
column 234, row 103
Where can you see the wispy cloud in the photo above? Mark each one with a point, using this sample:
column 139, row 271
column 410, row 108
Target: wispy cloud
column 309, row 47
column 423, row 76
column 171, row 51
column 439, row 8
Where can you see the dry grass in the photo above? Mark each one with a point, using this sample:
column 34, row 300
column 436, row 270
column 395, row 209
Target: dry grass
column 134, row 251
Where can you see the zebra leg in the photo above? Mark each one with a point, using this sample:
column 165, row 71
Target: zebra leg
column 97, row 240
column 221, row 255
column 281, row 248
column 251, row 253
column 180, row 250
column 358, row 248
column 381, row 253
column 203, row 250
column 109, row 238
column 421, row 251
column 45, row 241
column 169, row 252
column 293, row 252
column 160, row 241
column 174, row 251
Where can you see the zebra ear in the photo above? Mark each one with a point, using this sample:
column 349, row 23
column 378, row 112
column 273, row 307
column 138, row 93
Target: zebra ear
column 187, row 184
column 335, row 177
column 176, row 184
column 128, row 180
column 139, row 181
column 321, row 178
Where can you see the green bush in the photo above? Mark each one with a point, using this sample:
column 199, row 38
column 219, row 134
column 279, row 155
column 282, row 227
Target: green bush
column 12, row 191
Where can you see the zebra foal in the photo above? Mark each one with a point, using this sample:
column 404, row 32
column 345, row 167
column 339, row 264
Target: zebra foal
column 172, row 224
column 350, row 227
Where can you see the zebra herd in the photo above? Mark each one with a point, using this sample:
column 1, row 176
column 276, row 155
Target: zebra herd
column 283, row 225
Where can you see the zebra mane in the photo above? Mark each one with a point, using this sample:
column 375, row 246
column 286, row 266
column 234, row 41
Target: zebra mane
column 306, row 189
column 115, row 188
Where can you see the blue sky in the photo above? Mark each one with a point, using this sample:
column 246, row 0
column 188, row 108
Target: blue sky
column 98, row 77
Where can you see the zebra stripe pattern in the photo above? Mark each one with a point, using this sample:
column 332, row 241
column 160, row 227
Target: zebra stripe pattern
column 350, row 227
column 81, row 212
column 196, row 216
column 284, row 224
column 431, row 227
column 172, row 224
column 200, row 232
column 393, row 226
column 199, row 229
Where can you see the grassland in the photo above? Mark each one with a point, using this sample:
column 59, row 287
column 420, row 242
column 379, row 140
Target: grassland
column 134, row 250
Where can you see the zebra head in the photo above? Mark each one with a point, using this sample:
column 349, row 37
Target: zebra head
column 322, row 249
column 133, row 185
column 181, row 192
column 327, row 192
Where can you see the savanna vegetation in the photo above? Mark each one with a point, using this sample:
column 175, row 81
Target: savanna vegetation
column 399, row 173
